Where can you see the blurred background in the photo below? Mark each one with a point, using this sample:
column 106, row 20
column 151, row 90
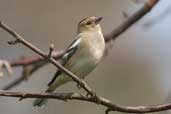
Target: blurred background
column 135, row 72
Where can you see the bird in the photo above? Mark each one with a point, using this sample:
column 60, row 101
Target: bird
column 81, row 56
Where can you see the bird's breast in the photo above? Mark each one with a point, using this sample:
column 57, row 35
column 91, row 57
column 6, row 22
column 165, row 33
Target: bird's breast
column 93, row 47
column 87, row 56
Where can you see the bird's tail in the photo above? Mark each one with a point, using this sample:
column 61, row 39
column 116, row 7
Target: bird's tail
column 42, row 101
column 39, row 102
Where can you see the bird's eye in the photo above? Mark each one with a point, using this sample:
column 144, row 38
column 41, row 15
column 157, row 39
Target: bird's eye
column 88, row 23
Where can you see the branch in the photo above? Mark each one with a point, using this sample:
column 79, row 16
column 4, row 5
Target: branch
column 73, row 96
column 36, row 61
column 57, row 54
column 20, row 39
column 102, row 101
column 131, row 20
column 108, row 37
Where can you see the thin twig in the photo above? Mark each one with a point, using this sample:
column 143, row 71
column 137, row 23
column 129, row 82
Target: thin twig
column 56, row 54
column 37, row 62
column 130, row 21
column 51, row 49
column 102, row 101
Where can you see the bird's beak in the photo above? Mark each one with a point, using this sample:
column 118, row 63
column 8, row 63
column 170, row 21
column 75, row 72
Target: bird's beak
column 97, row 20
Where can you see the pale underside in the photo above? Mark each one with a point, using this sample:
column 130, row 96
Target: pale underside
column 84, row 60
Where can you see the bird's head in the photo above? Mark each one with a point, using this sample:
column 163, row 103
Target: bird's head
column 90, row 24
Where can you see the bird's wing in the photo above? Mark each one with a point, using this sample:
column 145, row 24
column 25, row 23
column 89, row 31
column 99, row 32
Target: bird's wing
column 68, row 54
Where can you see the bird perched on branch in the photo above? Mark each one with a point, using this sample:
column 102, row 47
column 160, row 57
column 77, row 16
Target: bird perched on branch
column 82, row 55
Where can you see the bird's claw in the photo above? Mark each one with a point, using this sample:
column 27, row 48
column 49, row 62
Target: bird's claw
column 94, row 96
column 108, row 110
column 80, row 85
